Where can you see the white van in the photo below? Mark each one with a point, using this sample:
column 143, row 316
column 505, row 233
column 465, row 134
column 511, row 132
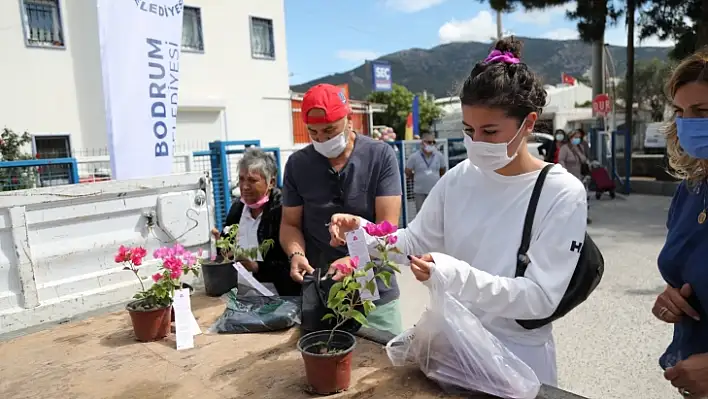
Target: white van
column 655, row 139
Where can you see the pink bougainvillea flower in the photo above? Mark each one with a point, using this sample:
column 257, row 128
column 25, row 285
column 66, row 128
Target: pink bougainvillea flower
column 200, row 252
column 354, row 262
column 387, row 228
column 156, row 277
column 213, row 257
column 344, row 268
column 372, row 229
column 189, row 259
column 391, row 240
column 380, row 230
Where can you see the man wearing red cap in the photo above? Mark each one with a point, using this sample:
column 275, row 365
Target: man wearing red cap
column 340, row 172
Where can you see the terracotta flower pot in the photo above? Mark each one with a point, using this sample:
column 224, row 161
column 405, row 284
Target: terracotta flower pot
column 327, row 372
column 149, row 325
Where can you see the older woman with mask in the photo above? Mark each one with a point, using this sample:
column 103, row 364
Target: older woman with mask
column 258, row 215
column 683, row 260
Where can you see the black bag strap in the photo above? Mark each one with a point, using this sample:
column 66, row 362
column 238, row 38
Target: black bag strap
column 522, row 260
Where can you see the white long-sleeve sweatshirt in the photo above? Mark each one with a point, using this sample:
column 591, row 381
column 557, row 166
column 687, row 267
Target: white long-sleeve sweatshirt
column 472, row 223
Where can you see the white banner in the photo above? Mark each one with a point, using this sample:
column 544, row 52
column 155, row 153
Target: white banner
column 140, row 49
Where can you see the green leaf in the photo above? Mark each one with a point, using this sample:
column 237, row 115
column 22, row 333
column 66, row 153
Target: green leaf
column 371, row 286
column 393, row 266
column 359, row 274
column 369, row 266
column 385, row 277
column 346, row 280
column 353, row 286
column 328, row 316
column 358, row 316
column 336, row 287
column 368, row 307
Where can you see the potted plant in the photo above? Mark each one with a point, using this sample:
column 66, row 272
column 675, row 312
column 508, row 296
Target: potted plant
column 328, row 354
column 219, row 275
column 151, row 308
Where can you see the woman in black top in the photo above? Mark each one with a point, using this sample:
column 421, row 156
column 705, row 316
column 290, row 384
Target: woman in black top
column 258, row 215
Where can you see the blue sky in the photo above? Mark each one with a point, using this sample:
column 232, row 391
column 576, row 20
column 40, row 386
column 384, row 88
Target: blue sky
column 328, row 36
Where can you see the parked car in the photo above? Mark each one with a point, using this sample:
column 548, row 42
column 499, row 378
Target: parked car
column 655, row 139
column 457, row 152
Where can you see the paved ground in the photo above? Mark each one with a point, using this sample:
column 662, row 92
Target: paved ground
column 608, row 348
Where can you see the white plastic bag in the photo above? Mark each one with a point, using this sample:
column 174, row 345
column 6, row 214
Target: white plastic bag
column 451, row 347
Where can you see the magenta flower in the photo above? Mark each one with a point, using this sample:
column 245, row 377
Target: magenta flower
column 391, row 240
column 156, row 277
column 380, row 230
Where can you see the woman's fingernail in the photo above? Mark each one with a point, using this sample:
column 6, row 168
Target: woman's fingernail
column 409, row 257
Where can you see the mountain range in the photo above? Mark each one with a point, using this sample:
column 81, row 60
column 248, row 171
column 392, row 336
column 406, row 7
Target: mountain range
column 441, row 69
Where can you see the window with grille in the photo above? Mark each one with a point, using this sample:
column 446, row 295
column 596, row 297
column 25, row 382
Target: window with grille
column 192, row 39
column 42, row 20
column 262, row 45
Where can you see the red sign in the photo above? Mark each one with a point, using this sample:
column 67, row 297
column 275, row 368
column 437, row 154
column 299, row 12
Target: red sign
column 601, row 105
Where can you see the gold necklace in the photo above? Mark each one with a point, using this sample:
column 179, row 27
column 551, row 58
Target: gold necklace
column 703, row 216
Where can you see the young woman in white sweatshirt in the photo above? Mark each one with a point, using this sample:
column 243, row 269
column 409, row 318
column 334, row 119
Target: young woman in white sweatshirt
column 469, row 228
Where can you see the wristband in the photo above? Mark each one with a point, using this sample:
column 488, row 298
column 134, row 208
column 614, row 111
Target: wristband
column 294, row 254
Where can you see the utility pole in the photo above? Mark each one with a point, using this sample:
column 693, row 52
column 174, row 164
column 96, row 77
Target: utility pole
column 598, row 87
column 499, row 24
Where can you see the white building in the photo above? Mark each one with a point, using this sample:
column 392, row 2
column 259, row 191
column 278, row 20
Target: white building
column 234, row 74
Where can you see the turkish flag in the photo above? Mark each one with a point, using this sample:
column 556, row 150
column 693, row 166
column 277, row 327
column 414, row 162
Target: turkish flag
column 568, row 79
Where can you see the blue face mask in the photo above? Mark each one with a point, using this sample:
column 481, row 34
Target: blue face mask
column 693, row 136
column 575, row 140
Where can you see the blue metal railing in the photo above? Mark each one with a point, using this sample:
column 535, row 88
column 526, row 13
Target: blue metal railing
column 19, row 175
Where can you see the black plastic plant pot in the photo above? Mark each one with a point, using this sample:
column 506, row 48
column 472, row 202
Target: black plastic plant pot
column 219, row 278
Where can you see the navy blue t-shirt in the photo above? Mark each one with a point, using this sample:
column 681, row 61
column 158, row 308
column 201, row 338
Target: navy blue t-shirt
column 684, row 259
column 310, row 182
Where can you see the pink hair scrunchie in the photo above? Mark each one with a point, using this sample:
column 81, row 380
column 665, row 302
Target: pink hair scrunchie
column 505, row 57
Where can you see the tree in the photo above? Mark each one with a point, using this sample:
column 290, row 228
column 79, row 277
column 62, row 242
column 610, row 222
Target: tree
column 399, row 103
column 649, row 80
column 685, row 21
column 11, row 145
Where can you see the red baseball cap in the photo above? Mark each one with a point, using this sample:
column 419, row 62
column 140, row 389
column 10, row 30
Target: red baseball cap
column 330, row 99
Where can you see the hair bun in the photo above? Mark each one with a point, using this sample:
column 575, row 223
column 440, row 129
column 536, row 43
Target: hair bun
column 510, row 44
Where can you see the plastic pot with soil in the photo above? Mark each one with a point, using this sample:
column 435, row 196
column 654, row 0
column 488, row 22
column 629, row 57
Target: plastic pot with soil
column 328, row 360
column 149, row 324
column 220, row 277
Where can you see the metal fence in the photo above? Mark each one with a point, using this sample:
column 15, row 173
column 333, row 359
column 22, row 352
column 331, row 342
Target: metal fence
column 20, row 175
column 98, row 167
column 404, row 150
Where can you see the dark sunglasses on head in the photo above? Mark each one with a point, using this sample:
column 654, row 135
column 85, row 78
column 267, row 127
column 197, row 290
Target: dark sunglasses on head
column 430, row 142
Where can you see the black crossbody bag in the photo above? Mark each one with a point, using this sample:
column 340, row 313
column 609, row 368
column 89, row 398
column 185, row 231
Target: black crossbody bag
column 588, row 271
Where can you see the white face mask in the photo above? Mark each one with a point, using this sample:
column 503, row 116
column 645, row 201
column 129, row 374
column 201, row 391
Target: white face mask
column 333, row 147
column 490, row 156
column 427, row 148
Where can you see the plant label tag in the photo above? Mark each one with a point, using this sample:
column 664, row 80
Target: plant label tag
column 184, row 320
column 250, row 280
column 356, row 243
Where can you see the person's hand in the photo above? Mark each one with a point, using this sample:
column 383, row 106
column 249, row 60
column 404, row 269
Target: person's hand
column 251, row 266
column 671, row 305
column 690, row 376
column 299, row 266
column 422, row 266
column 215, row 233
column 339, row 225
